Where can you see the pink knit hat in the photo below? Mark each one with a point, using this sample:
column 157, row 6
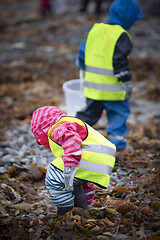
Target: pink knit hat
column 42, row 119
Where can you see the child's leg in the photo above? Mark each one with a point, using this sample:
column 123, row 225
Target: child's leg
column 59, row 196
column 84, row 5
column 117, row 115
column 45, row 7
column 80, row 197
column 89, row 191
column 45, row 4
column 63, row 199
column 92, row 112
column 98, row 6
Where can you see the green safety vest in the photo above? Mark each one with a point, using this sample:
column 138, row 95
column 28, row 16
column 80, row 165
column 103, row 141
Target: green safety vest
column 100, row 82
column 98, row 154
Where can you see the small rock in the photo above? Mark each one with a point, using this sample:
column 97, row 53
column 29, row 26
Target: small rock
column 22, row 206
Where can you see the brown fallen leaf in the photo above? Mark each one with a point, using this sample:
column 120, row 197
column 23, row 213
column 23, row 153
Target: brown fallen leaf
column 76, row 219
column 30, row 173
column 95, row 230
column 120, row 190
column 108, row 222
column 142, row 161
column 122, row 206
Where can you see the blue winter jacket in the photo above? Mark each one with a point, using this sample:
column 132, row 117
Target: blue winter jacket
column 124, row 13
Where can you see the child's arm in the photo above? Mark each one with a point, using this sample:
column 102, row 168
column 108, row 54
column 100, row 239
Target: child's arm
column 68, row 136
column 120, row 58
column 79, row 59
column 121, row 63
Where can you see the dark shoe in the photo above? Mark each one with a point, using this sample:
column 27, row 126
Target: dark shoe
column 63, row 210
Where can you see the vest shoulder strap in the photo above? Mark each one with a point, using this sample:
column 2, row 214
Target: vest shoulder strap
column 65, row 119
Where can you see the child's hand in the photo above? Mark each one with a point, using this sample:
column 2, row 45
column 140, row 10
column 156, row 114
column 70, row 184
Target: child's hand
column 128, row 89
column 69, row 173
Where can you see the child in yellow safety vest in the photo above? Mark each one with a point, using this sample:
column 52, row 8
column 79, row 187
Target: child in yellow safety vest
column 82, row 157
column 103, row 55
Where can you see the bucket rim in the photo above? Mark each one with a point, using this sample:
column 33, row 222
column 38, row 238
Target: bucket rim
column 68, row 83
column 72, row 80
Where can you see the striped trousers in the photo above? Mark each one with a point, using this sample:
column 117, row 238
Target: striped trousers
column 61, row 197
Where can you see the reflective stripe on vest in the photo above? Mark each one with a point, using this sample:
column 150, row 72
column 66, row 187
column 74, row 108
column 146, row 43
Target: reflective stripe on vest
column 99, row 149
column 100, row 81
column 104, row 87
column 101, row 71
column 98, row 155
column 95, row 167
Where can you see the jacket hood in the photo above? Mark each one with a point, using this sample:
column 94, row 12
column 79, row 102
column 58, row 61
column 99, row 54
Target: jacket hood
column 124, row 13
column 42, row 119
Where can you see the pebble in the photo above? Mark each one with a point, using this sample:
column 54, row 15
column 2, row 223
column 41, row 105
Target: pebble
column 121, row 172
column 22, row 149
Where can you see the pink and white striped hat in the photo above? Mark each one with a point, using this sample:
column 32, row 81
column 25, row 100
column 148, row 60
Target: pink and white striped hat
column 42, row 119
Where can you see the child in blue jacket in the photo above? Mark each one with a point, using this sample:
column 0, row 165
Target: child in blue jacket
column 104, row 58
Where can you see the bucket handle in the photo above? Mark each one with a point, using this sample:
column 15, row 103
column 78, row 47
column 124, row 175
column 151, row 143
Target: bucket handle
column 81, row 76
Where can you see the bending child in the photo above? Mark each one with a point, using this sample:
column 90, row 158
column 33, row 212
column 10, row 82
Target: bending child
column 82, row 158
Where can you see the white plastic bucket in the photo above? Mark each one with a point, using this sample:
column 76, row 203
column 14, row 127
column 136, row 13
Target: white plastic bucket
column 74, row 96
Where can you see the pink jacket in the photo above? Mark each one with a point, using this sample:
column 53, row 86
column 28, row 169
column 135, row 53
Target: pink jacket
column 69, row 135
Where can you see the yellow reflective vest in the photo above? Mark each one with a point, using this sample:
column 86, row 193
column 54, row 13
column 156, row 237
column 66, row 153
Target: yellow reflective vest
column 100, row 82
column 98, row 154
